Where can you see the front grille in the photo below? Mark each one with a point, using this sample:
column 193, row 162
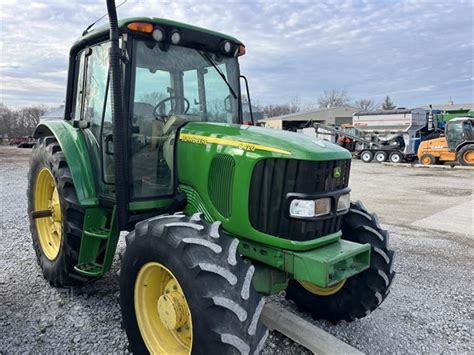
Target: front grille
column 273, row 179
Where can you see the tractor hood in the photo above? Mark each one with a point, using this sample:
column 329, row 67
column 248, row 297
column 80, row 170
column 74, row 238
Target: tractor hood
column 267, row 141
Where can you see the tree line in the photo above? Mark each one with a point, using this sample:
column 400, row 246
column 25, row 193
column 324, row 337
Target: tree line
column 328, row 99
column 19, row 122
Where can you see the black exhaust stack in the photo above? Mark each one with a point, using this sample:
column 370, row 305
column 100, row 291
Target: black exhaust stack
column 119, row 124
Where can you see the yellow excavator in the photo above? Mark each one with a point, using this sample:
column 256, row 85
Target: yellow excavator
column 456, row 145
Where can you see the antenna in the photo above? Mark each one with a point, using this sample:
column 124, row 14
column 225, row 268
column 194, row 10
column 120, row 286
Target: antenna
column 100, row 18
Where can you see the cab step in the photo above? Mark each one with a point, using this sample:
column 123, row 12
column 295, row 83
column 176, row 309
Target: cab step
column 89, row 269
column 98, row 242
column 99, row 233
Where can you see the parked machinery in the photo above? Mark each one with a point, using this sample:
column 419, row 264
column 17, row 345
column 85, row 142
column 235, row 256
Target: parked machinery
column 456, row 145
column 389, row 135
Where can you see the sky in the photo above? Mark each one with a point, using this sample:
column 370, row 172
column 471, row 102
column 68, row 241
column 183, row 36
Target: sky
column 417, row 52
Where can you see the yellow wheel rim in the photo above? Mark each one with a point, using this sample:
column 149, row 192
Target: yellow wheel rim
column 322, row 291
column 469, row 156
column 48, row 228
column 162, row 311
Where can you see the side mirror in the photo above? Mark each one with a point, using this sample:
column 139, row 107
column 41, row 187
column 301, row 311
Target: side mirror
column 248, row 96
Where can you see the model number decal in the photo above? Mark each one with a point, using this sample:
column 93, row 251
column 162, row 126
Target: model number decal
column 198, row 139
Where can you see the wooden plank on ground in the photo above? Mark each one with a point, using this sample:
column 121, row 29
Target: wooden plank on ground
column 275, row 317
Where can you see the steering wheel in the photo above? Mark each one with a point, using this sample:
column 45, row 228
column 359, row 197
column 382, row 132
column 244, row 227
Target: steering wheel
column 159, row 110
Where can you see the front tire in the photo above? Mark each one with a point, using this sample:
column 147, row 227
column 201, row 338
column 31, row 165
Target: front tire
column 427, row 159
column 56, row 239
column 223, row 309
column 360, row 294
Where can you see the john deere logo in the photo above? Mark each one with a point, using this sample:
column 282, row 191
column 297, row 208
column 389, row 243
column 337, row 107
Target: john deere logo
column 337, row 172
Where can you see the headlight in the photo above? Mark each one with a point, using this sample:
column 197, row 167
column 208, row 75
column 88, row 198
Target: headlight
column 310, row 208
column 323, row 206
column 344, row 202
column 302, row 208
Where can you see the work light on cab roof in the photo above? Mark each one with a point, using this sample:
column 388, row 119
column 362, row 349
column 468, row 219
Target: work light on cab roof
column 174, row 37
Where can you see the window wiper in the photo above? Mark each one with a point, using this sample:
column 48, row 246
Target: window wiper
column 206, row 56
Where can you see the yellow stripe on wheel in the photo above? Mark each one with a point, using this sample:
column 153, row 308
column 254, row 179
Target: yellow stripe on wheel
column 322, row 291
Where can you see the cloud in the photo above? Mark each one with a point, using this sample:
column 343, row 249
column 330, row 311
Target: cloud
column 414, row 51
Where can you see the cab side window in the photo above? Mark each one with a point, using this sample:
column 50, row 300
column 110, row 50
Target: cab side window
column 92, row 104
column 97, row 68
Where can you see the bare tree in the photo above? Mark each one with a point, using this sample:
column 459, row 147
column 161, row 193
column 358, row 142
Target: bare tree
column 21, row 122
column 333, row 98
column 274, row 110
column 366, row 104
column 152, row 98
column 6, row 120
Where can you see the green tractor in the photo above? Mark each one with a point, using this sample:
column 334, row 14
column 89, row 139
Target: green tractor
column 219, row 214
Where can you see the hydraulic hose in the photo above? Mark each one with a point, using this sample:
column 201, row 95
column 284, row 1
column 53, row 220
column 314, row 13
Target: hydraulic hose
column 119, row 124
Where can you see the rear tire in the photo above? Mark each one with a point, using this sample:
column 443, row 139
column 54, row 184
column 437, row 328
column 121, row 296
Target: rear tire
column 366, row 156
column 215, row 281
column 395, row 157
column 362, row 293
column 380, row 157
column 58, row 270
column 427, row 159
column 466, row 155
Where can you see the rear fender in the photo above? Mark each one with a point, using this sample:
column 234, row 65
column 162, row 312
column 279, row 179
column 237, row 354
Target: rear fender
column 75, row 151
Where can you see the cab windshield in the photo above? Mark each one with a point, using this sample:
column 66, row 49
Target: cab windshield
column 183, row 81
column 171, row 86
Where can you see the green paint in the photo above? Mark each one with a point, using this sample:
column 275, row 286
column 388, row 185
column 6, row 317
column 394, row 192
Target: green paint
column 194, row 162
column 94, row 236
column 450, row 114
column 221, row 178
column 324, row 266
column 268, row 280
column 137, row 206
column 114, row 235
column 74, row 148
column 332, row 263
column 100, row 230
column 195, row 203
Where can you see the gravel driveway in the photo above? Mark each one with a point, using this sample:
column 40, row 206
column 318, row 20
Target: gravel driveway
column 429, row 309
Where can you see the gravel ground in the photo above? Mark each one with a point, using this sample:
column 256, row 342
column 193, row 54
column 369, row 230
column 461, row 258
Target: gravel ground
column 429, row 309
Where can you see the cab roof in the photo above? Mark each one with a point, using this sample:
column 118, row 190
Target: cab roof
column 102, row 32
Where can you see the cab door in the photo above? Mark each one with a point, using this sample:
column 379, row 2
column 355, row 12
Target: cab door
column 91, row 107
column 454, row 134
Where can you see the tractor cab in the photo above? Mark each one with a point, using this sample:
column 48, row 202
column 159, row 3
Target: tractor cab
column 175, row 74
column 459, row 130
